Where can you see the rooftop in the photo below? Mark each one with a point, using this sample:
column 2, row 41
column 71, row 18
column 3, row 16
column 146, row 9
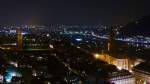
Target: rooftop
column 143, row 67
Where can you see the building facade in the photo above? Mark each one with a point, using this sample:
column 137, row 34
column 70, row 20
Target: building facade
column 142, row 73
column 121, row 77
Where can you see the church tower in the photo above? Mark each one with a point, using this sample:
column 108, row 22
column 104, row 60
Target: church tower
column 112, row 45
column 19, row 38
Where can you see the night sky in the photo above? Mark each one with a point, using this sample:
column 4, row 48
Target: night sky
column 72, row 11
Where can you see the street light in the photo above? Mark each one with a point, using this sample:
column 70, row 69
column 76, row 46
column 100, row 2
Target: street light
column 96, row 55
column 51, row 46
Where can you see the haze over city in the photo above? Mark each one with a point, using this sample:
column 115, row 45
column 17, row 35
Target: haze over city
column 72, row 11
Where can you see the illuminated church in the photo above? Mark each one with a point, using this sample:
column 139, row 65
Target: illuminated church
column 116, row 55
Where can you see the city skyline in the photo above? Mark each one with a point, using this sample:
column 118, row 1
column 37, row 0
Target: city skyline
column 74, row 42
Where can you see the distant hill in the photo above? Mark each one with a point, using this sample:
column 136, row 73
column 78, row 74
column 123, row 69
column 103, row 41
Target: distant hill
column 138, row 27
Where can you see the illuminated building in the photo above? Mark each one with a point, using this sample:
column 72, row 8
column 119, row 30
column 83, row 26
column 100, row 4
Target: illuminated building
column 12, row 31
column 19, row 38
column 120, row 63
column 10, row 74
column 117, row 56
column 74, row 80
column 142, row 73
column 1, row 78
column 121, row 77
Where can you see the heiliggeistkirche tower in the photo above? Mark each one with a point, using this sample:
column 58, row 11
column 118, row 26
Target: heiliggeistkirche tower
column 19, row 38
